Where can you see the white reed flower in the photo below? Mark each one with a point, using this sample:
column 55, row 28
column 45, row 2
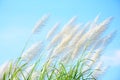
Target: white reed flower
column 32, row 52
column 4, row 68
column 81, row 36
column 72, row 20
column 91, row 59
column 62, row 46
column 64, row 32
column 51, row 32
column 99, row 70
column 107, row 39
column 54, row 41
column 66, row 58
column 65, row 35
column 106, row 21
column 68, row 26
column 78, row 45
column 93, row 34
column 96, row 55
column 58, row 37
column 75, row 29
column 96, row 19
column 94, row 23
column 103, row 42
column 39, row 24
column 65, row 42
column 98, row 65
column 98, row 30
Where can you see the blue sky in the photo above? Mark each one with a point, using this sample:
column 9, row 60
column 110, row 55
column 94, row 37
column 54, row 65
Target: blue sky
column 17, row 18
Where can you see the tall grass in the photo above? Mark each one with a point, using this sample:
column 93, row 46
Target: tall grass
column 70, row 54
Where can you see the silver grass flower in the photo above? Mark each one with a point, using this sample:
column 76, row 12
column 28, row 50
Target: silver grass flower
column 52, row 31
column 65, row 31
column 78, row 35
column 103, row 42
column 94, row 23
column 98, row 30
column 32, row 52
column 69, row 23
column 64, row 44
column 78, row 45
column 98, row 65
column 54, row 41
column 99, row 70
column 96, row 55
column 39, row 24
column 91, row 60
column 91, row 35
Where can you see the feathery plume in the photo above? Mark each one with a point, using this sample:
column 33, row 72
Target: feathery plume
column 65, row 41
column 29, row 54
column 68, row 26
column 78, row 45
column 54, row 41
column 91, row 59
column 94, row 23
column 51, row 32
column 65, row 31
column 92, row 35
column 80, row 34
column 96, row 55
column 39, row 24
column 70, row 22
column 98, row 30
column 63, row 44
column 98, row 70
column 104, row 41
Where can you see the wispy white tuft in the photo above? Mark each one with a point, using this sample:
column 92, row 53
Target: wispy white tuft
column 99, row 70
column 32, row 52
column 96, row 55
column 54, row 41
column 68, row 26
column 51, row 32
column 71, row 21
column 91, row 59
column 39, row 24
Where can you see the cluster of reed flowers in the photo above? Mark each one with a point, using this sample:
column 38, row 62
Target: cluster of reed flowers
column 72, row 53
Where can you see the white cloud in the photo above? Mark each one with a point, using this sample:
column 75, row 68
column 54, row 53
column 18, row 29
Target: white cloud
column 112, row 60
